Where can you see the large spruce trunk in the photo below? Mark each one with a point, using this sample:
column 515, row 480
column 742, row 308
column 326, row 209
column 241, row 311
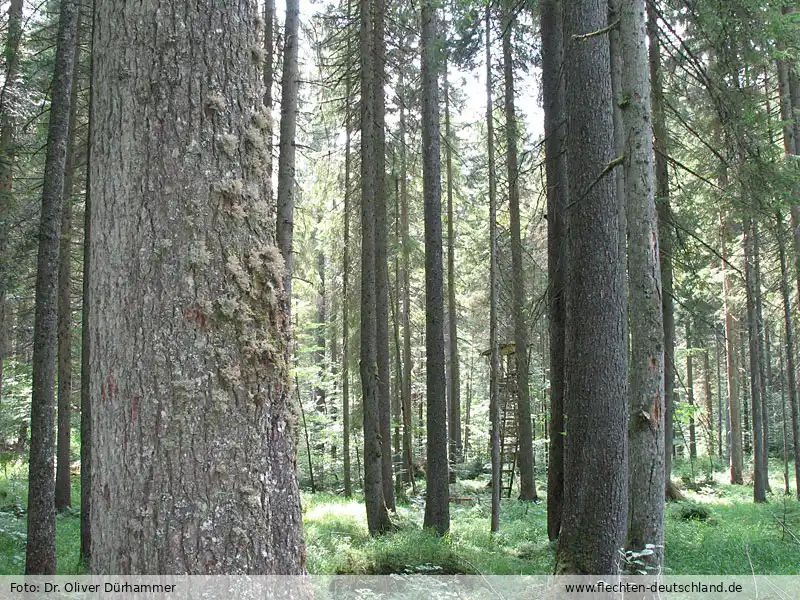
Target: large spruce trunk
column 194, row 465
column 595, row 447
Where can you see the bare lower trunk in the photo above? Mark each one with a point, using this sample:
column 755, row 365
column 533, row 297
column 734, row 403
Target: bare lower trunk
column 437, row 500
column 41, row 547
column 525, row 434
column 595, row 448
column 646, row 477
column 557, row 189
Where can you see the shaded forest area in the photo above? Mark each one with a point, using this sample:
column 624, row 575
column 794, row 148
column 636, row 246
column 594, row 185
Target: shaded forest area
column 384, row 287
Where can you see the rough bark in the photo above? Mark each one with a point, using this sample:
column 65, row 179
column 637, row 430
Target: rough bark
column 557, row 190
column 286, row 156
column 756, row 366
column 377, row 513
column 64, row 410
column 595, row 449
column 381, row 253
column 665, row 238
column 269, row 79
column 194, row 461
column 646, row 477
column 7, row 154
column 40, row 549
column 525, row 433
column 454, row 380
column 437, row 500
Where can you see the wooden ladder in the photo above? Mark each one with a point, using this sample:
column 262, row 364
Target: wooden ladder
column 509, row 439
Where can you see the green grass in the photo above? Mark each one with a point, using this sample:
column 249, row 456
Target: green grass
column 730, row 534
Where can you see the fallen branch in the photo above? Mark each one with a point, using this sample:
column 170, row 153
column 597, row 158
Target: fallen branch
column 785, row 527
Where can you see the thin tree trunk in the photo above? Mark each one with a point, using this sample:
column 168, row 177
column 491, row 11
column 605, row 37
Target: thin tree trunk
column 525, row 434
column 64, row 415
column 7, row 160
column 381, row 253
column 408, row 457
column 690, row 390
column 41, row 548
column 437, row 500
column 286, row 158
column 557, row 191
column 731, row 368
column 646, row 478
column 709, row 404
column 348, row 489
column 756, row 365
column 595, row 496
column 320, row 396
column 454, row 387
column 790, row 358
column 762, row 354
column 494, row 345
column 786, row 488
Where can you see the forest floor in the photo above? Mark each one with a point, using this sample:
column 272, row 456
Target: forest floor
column 717, row 530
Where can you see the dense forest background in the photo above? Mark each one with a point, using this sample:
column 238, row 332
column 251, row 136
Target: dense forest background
column 445, row 259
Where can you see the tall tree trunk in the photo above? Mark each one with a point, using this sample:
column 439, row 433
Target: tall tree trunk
column 7, row 159
column 525, row 434
column 790, row 359
column 320, row 395
column 41, row 544
column 790, row 140
column 64, row 414
column 381, row 254
column 86, row 307
column 286, row 157
column 348, row 489
column 690, row 389
column 763, row 357
column 665, row 239
column 377, row 513
column 756, row 366
column 595, row 497
column 454, row 387
column 192, row 420
column 731, row 367
column 786, row 484
column 494, row 342
column 437, row 501
column 646, row 478
column 557, row 190
column 408, row 458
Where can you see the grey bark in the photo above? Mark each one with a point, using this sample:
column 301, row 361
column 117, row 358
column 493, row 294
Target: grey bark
column 269, row 79
column 286, row 143
column 494, row 342
column 646, row 478
column 690, row 389
column 763, row 354
column 557, row 190
column 377, row 513
column 41, row 550
column 7, row 159
column 64, row 414
column 525, row 433
column 437, row 500
column 194, row 461
column 595, row 449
